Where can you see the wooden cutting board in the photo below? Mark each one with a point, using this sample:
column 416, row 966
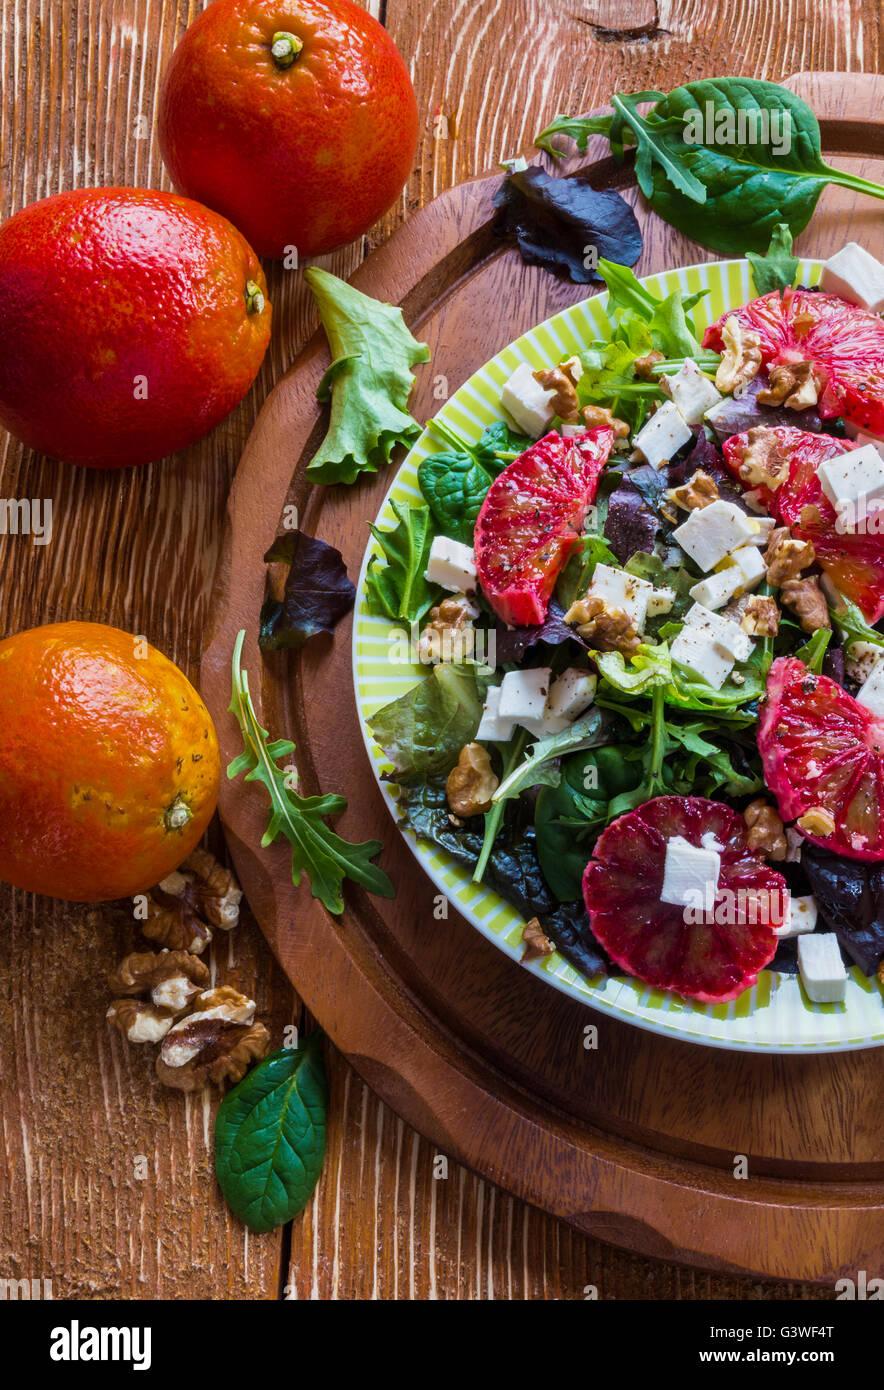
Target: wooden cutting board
column 635, row 1141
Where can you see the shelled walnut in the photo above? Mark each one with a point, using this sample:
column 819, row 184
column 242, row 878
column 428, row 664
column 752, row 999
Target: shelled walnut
column 791, row 385
column 536, row 942
column 764, row 829
column 217, row 1041
column 606, row 629
column 700, row 490
column 600, row 416
column 807, row 601
column 183, row 909
column 785, row 557
column 472, row 782
column 152, row 989
column 564, row 399
column 741, row 360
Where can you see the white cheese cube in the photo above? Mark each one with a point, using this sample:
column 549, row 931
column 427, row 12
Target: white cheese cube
column 548, row 723
column 690, row 874
column 523, row 696
column 715, row 590
column 712, row 532
column 571, row 693
column 871, row 692
column 727, row 634
column 493, row 728
column 800, row 917
column 661, row 601
column 853, row 481
column 861, row 438
column 451, row 565
column 694, row 648
column 527, row 401
column 834, row 597
column 862, row 657
column 747, row 559
column 619, row 589
column 856, row 276
column 765, row 525
column 663, row 435
column 821, row 967
column 692, row 392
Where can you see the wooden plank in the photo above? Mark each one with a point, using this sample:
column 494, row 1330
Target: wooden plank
column 78, row 82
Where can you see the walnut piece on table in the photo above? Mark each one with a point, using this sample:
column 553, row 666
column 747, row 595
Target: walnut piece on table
column 152, row 989
column 217, row 1041
column 185, row 906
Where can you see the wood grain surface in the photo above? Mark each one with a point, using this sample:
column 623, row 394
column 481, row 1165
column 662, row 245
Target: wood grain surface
column 106, row 1185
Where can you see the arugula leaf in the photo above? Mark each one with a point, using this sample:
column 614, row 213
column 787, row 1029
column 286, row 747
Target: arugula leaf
column 270, row 1136
column 556, row 220
column 728, row 194
column 398, row 589
column 327, row 858
column 317, row 591
column 535, row 770
column 423, row 731
column 852, row 626
column 369, row 381
column 455, row 486
column 813, row 653
column 775, row 270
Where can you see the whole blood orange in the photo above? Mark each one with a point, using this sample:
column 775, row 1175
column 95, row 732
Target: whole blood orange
column 131, row 323
column 297, row 121
column 108, row 763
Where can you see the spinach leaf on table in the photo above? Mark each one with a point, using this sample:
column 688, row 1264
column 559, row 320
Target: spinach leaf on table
column 270, row 1135
column 727, row 195
column 398, row 589
column 423, row 731
column 317, row 591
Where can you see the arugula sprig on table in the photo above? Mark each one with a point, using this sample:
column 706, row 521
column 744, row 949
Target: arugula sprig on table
column 726, row 195
column 326, row 858
column 368, row 383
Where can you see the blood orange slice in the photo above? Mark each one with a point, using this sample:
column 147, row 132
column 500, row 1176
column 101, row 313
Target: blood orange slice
column 713, row 959
column 844, row 343
column 821, row 749
column 854, row 560
column 531, row 519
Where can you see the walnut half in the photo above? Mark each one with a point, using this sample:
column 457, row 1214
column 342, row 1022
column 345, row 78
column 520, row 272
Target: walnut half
column 153, row 989
column 218, row 1041
column 564, row 398
column 183, row 909
column 765, row 832
column 472, row 782
column 607, row 629
column 807, row 601
column 786, row 557
column 791, row 385
column 741, row 360
column 700, row 490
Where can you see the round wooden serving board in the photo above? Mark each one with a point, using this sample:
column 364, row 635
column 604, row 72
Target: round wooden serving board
column 636, row 1140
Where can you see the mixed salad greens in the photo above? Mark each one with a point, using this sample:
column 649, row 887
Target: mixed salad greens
column 608, row 659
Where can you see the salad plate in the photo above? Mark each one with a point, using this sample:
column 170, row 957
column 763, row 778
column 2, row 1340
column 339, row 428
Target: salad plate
column 775, row 1013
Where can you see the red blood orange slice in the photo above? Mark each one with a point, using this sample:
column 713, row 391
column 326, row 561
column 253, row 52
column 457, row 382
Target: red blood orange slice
column 714, row 959
column 854, row 560
column 820, row 748
column 844, row 343
column 531, row 519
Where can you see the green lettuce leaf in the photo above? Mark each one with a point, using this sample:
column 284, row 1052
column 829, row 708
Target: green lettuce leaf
column 398, row 589
column 423, row 731
column 369, row 381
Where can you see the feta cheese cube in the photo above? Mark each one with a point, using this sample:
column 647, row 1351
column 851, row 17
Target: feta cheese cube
column 493, row 727
column 727, row 634
column 821, row 967
column 852, row 482
column 548, row 723
column 765, row 525
column 800, row 917
column 861, row 438
column 661, row 601
column 694, row 648
column 871, row 692
column 856, row 276
column 692, row 392
column 862, row 658
column 712, row 532
column 523, row 696
column 619, row 589
column 690, row 874
column 748, row 561
column 571, row 693
column 451, row 565
column 663, row 435
column 715, row 590
column 527, row 401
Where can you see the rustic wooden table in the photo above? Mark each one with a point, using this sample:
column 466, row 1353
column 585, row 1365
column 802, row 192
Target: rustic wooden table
column 107, row 1185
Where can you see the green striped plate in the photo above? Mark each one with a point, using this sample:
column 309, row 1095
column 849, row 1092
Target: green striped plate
column 775, row 1015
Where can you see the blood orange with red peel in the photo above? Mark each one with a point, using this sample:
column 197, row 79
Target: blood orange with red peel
column 844, row 344
column 714, row 959
column 531, row 520
column 822, row 750
column 853, row 560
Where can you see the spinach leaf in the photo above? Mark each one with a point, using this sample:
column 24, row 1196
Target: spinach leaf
column 775, row 270
column 270, row 1136
column 317, row 591
column 556, row 221
column 567, row 817
column 423, row 731
column 720, row 181
column 368, row 383
column 398, row 589
column 454, row 485
column 498, row 445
